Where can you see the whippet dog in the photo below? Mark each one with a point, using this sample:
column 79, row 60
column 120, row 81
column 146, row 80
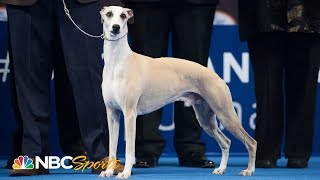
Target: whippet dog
column 135, row 84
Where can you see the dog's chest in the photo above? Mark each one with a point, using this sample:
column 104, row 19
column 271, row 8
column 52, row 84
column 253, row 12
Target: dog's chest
column 110, row 92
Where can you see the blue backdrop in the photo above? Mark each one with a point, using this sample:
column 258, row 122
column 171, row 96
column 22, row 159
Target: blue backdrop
column 228, row 57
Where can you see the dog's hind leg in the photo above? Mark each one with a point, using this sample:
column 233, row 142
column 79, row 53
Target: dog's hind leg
column 232, row 124
column 217, row 94
column 113, row 116
column 207, row 121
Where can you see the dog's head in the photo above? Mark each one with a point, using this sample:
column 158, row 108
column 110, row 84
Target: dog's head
column 114, row 20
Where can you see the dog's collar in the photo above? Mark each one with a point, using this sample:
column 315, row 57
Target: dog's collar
column 106, row 38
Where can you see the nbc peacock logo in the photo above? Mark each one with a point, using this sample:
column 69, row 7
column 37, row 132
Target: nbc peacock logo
column 23, row 162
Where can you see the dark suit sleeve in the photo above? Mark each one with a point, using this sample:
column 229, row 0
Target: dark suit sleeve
column 247, row 21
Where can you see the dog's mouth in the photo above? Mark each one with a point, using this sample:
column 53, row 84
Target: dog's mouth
column 114, row 33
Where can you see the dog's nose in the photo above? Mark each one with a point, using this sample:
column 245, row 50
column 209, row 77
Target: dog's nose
column 116, row 27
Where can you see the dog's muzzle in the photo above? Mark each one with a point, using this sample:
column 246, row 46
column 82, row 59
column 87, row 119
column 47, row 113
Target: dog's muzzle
column 116, row 29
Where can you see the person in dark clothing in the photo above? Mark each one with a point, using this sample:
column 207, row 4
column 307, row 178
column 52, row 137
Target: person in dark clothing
column 190, row 24
column 284, row 45
column 40, row 33
column 69, row 132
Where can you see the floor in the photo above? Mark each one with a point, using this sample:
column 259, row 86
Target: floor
column 168, row 169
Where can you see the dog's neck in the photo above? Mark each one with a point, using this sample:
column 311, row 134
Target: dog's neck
column 116, row 51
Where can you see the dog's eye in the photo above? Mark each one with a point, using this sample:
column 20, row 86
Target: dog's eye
column 109, row 14
column 123, row 16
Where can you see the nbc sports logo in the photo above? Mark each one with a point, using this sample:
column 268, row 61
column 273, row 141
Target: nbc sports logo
column 23, row 162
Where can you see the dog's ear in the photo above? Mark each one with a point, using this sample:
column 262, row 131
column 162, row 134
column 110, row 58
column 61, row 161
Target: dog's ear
column 103, row 9
column 130, row 14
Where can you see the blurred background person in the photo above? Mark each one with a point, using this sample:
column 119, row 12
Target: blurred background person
column 190, row 24
column 284, row 46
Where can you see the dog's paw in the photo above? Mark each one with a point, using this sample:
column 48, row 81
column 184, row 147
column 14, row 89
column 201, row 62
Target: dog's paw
column 246, row 172
column 107, row 173
column 123, row 175
column 219, row 171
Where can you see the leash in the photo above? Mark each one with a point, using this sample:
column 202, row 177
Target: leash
column 66, row 10
column 102, row 36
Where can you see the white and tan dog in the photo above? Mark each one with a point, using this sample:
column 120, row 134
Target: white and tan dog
column 135, row 84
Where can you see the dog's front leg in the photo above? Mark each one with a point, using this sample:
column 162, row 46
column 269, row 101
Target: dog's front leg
column 113, row 116
column 130, row 130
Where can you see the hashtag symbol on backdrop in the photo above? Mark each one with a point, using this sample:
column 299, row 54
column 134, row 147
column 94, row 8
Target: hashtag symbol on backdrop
column 4, row 70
